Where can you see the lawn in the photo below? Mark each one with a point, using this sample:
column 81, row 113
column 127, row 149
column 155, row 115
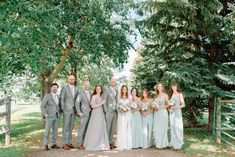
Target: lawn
column 199, row 143
column 26, row 133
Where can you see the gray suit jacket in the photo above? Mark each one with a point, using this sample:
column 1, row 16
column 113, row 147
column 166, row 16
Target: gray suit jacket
column 48, row 106
column 110, row 100
column 67, row 99
column 82, row 103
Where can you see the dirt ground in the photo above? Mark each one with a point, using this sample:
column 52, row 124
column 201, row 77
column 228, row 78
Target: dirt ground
column 152, row 152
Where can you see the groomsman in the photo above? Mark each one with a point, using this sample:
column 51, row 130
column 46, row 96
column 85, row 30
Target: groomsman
column 50, row 111
column 83, row 110
column 68, row 96
column 110, row 97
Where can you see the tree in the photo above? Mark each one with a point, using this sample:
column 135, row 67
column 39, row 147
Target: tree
column 188, row 42
column 42, row 35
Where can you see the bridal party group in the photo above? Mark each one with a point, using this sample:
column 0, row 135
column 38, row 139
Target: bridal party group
column 139, row 121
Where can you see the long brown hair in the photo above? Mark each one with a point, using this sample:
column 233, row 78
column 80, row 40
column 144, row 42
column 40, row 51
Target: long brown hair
column 156, row 90
column 148, row 93
column 171, row 91
column 124, row 86
column 94, row 92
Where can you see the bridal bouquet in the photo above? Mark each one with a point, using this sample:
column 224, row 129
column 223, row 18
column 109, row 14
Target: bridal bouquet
column 122, row 109
column 133, row 105
column 170, row 103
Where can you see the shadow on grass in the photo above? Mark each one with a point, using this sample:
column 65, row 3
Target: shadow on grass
column 25, row 126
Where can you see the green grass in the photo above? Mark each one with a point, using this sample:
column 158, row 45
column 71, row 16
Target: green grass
column 199, row 143
column 13, row 151
column 25, row 132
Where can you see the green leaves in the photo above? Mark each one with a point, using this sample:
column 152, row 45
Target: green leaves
column 33, row 34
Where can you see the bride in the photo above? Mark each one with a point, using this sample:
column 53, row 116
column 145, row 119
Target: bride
column 124, row 136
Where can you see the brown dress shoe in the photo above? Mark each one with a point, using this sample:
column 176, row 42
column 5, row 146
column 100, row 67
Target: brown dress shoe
column 55, row 146
column 71, row 146
column 66, row 147
column 81, row 147
column 46, row 147
column 112, row 146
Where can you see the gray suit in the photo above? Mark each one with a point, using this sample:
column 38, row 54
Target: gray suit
column 67, row 105
column 83, row 107
column 110, row 98
column 50, row 110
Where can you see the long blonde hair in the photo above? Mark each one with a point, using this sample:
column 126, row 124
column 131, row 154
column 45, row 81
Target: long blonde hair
column 156, row 90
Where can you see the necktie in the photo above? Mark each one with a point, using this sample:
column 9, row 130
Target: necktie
column 55, row 98
column 114, row 92
column 72, row 90
column 88, row 95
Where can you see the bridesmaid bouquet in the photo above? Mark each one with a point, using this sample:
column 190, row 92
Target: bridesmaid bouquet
column 122, row 109
column 144, row 108
column 154, row 106
column 171, row 103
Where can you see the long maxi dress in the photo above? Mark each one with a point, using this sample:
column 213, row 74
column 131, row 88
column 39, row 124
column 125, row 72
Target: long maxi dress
column 161, row 124
column 176, row 125
column 96, row 136
column 147, row 125
column 136, row 123
column 124, row 132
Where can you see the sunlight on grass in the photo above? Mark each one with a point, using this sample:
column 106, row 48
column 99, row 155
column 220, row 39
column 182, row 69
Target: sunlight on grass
column 26, row 130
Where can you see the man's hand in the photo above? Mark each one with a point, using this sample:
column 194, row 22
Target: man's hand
column 44, row 118
column 80, row 114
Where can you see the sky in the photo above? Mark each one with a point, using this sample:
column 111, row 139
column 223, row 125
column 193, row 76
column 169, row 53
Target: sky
column 136, row 41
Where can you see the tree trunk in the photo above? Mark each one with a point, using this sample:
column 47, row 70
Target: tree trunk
column 45, row 85
column 74, row 71
column 192, row 117
column 211, row 114
column 46, row 80
column 213, row 58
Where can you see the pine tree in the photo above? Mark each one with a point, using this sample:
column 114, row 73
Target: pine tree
column 189, row 42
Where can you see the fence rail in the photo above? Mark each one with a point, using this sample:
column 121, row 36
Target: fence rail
column 6, row 129
column 224, row 123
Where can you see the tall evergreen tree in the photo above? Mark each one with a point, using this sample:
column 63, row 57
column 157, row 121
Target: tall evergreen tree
column 189, row 42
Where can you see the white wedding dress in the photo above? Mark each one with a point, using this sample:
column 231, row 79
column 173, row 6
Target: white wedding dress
column 124, row 132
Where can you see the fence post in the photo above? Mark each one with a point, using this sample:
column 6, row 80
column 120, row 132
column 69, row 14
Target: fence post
column 214, row 118
column 8, row 120
column 218, row 122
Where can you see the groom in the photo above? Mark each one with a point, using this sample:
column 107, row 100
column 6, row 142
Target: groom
column 83, row 110
column 110, row 97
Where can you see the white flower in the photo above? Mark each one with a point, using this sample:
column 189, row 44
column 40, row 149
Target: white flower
column 171, row 102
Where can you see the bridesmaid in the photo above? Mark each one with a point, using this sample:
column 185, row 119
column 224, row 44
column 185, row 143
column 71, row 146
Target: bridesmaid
column 137, row 139
column 96, row 136
column 124, row 132
column 147, row 118
column 176, row 119
column 160, row 117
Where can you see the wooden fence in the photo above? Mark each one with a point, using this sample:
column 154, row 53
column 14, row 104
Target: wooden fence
column 224, row 121
column 6, row 129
